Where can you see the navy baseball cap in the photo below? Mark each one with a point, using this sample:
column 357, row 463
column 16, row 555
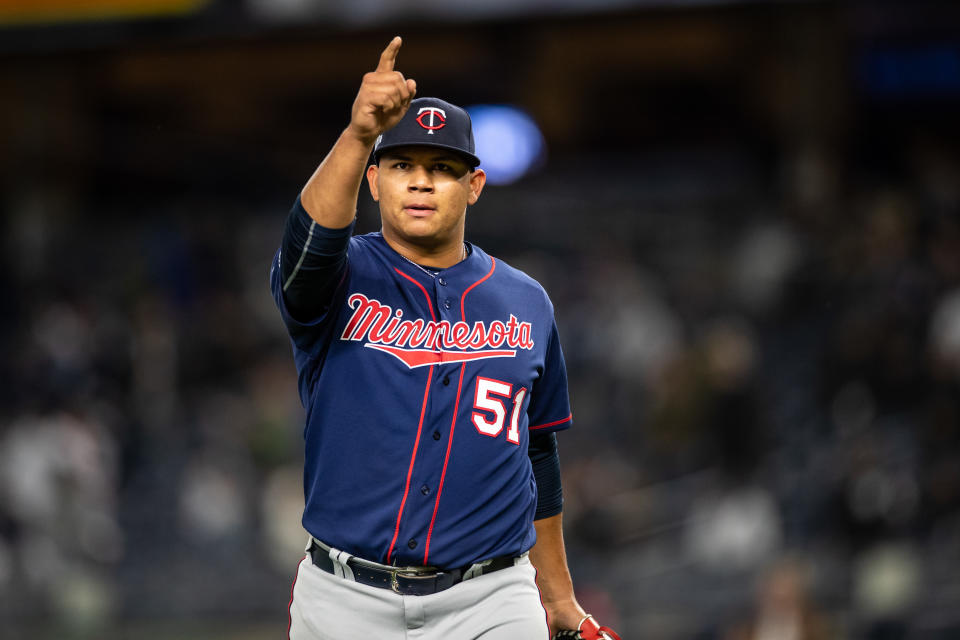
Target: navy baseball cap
column 431, row 122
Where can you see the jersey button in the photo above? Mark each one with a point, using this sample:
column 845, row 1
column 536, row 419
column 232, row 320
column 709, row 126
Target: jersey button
column 436, row 435
column 446, row 380
column 425, row 490
column 441, row 282
column 446, row 303
column 412, row 543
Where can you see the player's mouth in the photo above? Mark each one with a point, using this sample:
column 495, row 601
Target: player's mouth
column 418, row 210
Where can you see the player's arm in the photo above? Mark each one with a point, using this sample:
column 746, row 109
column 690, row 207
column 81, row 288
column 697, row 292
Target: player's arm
column 313, row 253
column 549, row 556
column 330, row 195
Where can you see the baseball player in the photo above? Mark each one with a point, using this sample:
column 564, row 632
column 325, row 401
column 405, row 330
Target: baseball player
column 433, row 382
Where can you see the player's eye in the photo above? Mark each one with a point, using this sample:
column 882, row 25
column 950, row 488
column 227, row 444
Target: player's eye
column 442, row 167
column 400, row 164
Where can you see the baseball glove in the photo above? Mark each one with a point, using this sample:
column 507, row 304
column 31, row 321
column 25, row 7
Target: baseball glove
column 588, row 629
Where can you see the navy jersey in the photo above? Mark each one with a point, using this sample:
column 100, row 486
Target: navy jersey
column 421, row 390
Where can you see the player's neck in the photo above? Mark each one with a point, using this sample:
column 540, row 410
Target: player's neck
column 440, row 257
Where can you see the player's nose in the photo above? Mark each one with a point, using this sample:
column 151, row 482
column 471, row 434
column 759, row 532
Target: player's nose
column 420, row 179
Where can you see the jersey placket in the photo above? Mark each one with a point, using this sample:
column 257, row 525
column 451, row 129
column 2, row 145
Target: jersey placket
column 433, row 444
column 451, row 377
column 429, row 469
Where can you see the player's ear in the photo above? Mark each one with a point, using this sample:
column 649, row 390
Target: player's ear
column 477, row 179
column 372, row 172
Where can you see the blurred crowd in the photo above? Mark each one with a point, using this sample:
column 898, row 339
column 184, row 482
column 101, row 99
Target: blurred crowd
column 763, row 365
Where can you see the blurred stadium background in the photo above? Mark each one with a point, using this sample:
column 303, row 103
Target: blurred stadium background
column 748, row 217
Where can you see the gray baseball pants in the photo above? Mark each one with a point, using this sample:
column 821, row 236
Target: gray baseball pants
column 504, row 605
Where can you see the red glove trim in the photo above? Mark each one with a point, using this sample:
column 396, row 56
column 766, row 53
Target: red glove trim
column 590, row 630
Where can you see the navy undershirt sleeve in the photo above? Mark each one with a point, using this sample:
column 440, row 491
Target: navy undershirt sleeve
column 312, row 262
column 545, row 458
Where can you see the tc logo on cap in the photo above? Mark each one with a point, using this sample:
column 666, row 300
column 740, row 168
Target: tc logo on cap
column 437, row 119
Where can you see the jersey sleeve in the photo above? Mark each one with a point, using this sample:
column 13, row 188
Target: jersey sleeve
column 549, row 408
column 306, row 275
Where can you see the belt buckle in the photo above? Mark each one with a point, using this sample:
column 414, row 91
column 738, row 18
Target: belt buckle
column 394, row 585
column 414, row 575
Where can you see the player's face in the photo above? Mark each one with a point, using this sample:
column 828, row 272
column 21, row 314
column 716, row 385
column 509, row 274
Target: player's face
column 423, row 194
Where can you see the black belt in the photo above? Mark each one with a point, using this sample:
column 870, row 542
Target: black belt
column 407, row 581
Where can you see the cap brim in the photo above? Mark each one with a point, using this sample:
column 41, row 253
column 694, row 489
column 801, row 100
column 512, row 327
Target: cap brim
column 471, row 159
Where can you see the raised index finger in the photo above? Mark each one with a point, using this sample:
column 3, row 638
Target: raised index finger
column 389, row 55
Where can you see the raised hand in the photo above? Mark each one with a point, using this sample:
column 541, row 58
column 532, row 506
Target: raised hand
column 383, row 98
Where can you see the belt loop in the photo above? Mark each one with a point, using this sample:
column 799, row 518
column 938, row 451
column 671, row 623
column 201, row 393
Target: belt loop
column 340, row 566
column 475, row 570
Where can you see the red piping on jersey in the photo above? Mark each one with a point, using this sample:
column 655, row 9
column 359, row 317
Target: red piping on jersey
column 413, row 458
column 453, row 423
column 493, row 265
column 423, row 411
column 552, row 424
column 446, row 459
column 425, row 294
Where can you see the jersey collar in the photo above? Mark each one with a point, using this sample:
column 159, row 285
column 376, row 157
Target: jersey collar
column 477, row 260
